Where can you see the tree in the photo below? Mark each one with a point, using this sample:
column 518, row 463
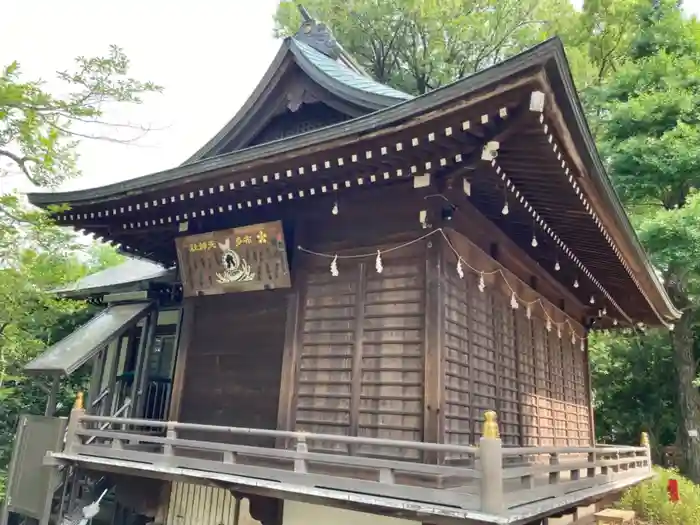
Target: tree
column 649, row 114
column 39, row 131
column 419, row 45
column 632, row 388
column 39, row 136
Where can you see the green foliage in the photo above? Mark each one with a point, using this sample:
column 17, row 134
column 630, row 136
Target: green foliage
column 39, row 134
column 419, row 45
column 39, row 130
column 633, row 393
column 651, row 503
column 672, row 237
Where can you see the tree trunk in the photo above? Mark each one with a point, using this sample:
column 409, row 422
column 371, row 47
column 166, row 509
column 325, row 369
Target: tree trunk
column 688, row 396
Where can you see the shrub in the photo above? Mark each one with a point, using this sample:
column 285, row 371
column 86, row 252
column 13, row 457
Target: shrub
column 651, row 502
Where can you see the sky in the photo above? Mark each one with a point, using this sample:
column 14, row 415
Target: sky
column 208, row 55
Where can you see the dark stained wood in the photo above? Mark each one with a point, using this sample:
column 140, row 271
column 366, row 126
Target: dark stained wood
column 268, row 511
column 526, row 155
column 472, row 223
column 433, row 409
column 499, row 359
column 293, row 122
column 356, row 390
column 236, row 260
column 459, row 381
column 289, row 361
column 586, row 394
column 234, row 366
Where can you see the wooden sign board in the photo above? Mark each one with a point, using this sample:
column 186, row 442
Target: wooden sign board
column 235, row 260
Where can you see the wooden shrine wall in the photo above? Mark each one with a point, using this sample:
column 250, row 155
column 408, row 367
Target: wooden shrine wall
column 360, row 359
column 498, row 359
column 234, row 360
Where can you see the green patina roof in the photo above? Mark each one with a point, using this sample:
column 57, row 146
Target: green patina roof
column 345, row 75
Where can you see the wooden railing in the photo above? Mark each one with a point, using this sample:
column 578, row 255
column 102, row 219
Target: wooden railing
column 490, row 478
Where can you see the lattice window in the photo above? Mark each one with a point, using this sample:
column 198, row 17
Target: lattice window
column 569, row 401
column 289, row 124
column 582, row 396
column 483, row 356
column 540, row 341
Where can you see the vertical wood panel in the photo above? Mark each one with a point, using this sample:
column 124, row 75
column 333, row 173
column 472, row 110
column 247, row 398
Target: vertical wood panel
column 361, row 362
column 234, row 364
column 289, row 362
column 433, row 430
column 545, row 422
column 586, row 397
column 324, row 384
column 391, row 405
column 507, row 385
column 527, row 381
column 357, row 350
column 483, row 357
column 557, row 387
column 458, row 357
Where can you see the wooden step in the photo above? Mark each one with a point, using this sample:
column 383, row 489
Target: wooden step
column 614, row 517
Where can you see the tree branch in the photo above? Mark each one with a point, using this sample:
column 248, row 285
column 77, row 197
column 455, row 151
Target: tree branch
column 21, row 163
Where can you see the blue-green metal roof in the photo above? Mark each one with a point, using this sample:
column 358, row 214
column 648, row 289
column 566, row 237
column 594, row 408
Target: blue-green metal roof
column 347, row 76
column 127, row 276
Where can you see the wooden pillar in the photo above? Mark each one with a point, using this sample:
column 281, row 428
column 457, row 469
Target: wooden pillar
column 433, row 384
column 112, row 380
column 491, row 466
column 53, row 394
column 589, row 397
column 146, row 349
column 356, row 388
column 186, row 333
column 290, row 360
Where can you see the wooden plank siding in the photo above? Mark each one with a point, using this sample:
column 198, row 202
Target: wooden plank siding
column 361, row 356
column 499, row 359
column 233, row 365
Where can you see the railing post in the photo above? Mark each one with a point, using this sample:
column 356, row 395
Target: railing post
column 302, row 448
column 645, row 443
column 170, row 435
column 491, row 460
column 74, row 423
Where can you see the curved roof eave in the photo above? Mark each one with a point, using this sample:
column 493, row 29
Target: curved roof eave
column 604, row 183
column 311, row 62
column 534, row 57
column 249, row 104
column 541, row 55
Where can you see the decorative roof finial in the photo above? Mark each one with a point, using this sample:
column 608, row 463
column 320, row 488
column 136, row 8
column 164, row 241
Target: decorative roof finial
column 317, row 35
column 305, row 16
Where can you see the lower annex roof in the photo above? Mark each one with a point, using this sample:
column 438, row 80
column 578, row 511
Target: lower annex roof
column 601, row 203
